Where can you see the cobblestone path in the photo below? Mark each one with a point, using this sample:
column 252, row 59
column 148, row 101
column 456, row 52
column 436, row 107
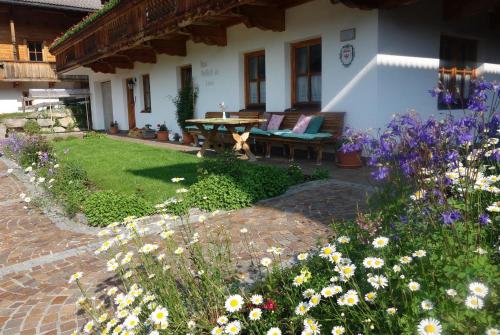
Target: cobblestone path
column 37, row 256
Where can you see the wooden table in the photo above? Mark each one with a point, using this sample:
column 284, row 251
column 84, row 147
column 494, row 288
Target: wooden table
column 213, row 138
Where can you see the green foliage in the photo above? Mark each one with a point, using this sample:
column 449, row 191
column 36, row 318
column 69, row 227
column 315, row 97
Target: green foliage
column 262, row 182
column 257, row 181
column 70, row 187
column 33, row 146
column 80, row 115
column 185, row 102
column 105, row 207
column 320, row 173
column 31, row 127
column 88, row 20
column 295, row 174
column 218, row 192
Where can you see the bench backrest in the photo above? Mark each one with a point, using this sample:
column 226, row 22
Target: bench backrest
column 333, row 122
column 242, row 115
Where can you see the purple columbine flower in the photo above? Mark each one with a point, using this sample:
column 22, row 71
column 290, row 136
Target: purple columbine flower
column 484, row 219
column 450, row 217
column 381, row 173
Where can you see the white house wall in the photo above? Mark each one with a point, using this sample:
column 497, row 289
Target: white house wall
column 409, row 44
column 396, row 63
column 218, row 71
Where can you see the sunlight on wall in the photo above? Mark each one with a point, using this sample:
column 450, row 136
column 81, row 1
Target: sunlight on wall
column 489, row 68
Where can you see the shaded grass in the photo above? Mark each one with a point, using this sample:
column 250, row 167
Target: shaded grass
column 130, row 168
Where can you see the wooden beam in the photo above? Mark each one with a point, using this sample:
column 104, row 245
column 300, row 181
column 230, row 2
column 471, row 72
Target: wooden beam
column 119, row 61
column 140, row 54
column 102, row 67
column 173, row 46
column 265, row 18
column 210, row 35
column 373, row 4
column 15, row 50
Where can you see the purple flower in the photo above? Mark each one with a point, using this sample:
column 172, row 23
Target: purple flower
column 450, row 217
column 381, row 173
column 484, row 219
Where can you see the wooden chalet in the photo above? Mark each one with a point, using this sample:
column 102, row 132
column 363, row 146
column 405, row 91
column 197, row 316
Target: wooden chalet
column 25, row 60
column 367, row 59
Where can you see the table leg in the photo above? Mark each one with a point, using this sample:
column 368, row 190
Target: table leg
column 210, row 139
column 241, row 141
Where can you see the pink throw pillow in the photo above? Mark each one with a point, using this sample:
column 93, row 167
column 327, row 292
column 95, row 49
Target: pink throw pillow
column 275, row 122
column 301, row 125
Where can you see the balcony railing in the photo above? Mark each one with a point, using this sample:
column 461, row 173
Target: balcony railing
column 125, row 26
column 27, row 71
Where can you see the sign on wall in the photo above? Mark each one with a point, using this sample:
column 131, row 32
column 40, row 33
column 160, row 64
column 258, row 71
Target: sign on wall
column 346, row 54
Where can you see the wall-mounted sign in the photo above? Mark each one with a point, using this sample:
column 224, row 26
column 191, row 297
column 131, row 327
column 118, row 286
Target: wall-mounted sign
column 347, row 35
column 346, row 54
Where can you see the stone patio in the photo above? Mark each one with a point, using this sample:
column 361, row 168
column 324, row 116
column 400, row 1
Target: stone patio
column 37, row 255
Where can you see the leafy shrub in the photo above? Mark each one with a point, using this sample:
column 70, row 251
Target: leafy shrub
column 224, row 164
column 295, row 174
column 105, row 207
column 218, row 192
column 31, row 127
column 36, row 150
column 320, row 173
column 70, row 187
column 262, row 182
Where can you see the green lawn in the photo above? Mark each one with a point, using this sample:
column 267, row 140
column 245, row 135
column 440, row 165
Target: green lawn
column 129, row 167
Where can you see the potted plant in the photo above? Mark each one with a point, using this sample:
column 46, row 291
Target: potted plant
column 185, row 103
column 162, row 133
column 350, row 147
column 113, row 128
column 148, row 133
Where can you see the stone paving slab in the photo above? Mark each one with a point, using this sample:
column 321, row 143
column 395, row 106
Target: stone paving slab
column 37, row 255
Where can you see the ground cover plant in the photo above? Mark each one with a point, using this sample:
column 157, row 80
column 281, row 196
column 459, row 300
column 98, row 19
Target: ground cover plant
column 425, row 263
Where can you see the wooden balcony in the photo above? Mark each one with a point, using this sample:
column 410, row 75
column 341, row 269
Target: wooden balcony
column 17, row 71
column 138, row 30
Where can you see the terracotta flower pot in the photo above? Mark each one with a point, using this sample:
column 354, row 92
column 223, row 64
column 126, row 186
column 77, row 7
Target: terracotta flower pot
column 349, row 160
column 187, row 138
column 113, row 130
column 162, row 135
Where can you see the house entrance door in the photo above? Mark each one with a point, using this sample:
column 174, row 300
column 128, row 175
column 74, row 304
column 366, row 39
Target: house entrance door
column 107, row 104
column 130, row 104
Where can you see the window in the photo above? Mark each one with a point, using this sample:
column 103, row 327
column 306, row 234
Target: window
column 255, row 79
column 35, row 51
column 186, row 76
column 306, row 74
column 147, row 93
column 457, row 69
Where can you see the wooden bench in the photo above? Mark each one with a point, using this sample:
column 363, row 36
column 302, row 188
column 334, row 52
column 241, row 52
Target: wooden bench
column 333, row 123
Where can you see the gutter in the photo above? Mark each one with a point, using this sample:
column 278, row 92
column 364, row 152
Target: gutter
column 53, row 6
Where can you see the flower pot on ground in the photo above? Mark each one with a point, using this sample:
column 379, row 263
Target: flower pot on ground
column 148, row 133
column 349, row 160
column 162, row 133
column 113, row 128
column 187, row 138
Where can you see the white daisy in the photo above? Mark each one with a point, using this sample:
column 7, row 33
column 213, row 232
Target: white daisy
column 75, row 276
column 391, row 310
column 474, row 302
column 302, row 256
column 159, row 315
column 234, row 303
column 274, row 331
column 429, row 327
column 302, row 308
column 217, row 331
column 327, row 251
column 370, row 296
column 413, row 286
column 451, row 292
column 419, row 253
column 131, row 322
column 256, row 299
column 222, row 320
column 315, row 299
column 338, row 330
column 478, row 289
column 427, row 305
column 492, row 331
column 380, row 242
column 266, row 262
column 255, row 314
column 233, row 328
column 148, row 248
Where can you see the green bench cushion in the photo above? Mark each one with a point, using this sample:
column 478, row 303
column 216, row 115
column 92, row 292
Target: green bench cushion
column 207, row 127
column 259, row 132
column 305, row 136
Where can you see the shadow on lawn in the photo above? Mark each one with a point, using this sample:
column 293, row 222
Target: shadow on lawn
column 188, row 171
